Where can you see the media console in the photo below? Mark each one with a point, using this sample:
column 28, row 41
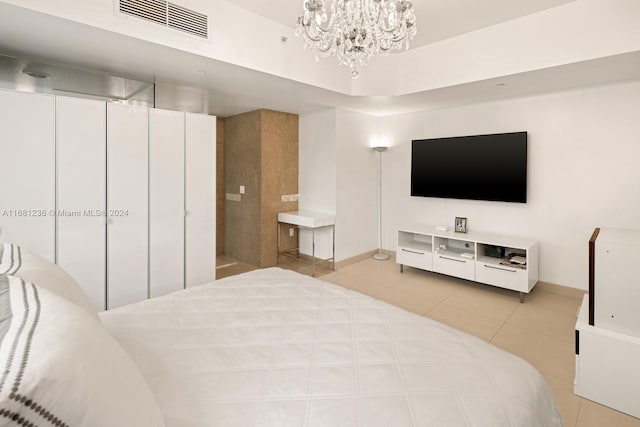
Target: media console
column 479, row 257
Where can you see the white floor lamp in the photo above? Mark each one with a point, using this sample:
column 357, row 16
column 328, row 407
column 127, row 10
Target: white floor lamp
column 380, row 256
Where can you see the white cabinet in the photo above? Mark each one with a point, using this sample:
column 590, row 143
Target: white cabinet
column 480, row 257
column 166, row 201
column 134, row 190
column 27, row 174
column 503, row 276
column 453, row 264
column 614, row 284
column 415, row 249
column 81, row 193
column 200, row 187
column 607, row 365
column 127, row 204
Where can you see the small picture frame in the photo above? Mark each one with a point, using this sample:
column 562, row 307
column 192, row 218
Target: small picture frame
column 460, row 225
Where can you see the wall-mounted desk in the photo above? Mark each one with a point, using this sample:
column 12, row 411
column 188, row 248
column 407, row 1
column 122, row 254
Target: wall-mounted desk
column 311, row 221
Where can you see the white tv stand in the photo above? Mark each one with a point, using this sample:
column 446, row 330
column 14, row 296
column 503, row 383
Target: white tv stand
column 468, row 256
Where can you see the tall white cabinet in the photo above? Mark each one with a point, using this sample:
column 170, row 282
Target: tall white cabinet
column 27, row 174
column 200, row 199
column 123, row 197
column 166, row 201
column 127, row 204
column 81, row 175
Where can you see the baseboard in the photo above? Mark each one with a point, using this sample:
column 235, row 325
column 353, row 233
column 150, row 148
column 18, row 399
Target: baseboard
column 561, row 290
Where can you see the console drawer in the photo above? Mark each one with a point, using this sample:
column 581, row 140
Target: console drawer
column 503, row 276
column 454, row 266
column 415, row 258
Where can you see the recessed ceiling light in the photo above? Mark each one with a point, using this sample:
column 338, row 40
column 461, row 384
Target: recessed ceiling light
column 35, row 74
column 501, row 84
column 201, row 72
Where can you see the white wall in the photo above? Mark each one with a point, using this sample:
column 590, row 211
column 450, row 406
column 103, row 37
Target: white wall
column 357, row 184
column 583, row 172
column 317, row 173
column 338, row 174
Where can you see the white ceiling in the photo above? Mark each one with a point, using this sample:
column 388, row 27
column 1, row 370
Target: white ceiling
column 437, row 19
column 225, row 89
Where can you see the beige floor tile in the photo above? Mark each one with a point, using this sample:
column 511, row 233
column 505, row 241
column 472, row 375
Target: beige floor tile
column 568, row 403
column 481, row 326
column 552, row 301
column 386, row 271
column 538, row 319
column 367, row 286
column 406, row 300
column 435, row 290
column 549, row 355
column 484, row 301
column 334, row 277
column 595, row 415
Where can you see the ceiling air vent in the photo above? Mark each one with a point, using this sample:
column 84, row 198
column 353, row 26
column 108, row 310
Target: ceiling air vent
column 187, row 20
column 151, row 10
column 168, row 14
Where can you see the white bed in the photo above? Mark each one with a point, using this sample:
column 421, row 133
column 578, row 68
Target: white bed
column 276, row 348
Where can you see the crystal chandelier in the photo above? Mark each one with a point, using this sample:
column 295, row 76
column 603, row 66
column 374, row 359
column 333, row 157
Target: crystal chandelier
column 355, row 30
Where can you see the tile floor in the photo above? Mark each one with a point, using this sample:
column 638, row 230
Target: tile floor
column 540, row 331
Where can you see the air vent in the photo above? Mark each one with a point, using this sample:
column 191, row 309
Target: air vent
column 151, row 10
column 187, row 20
column 168, row 14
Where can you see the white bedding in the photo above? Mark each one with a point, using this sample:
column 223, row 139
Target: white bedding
column 275, row 348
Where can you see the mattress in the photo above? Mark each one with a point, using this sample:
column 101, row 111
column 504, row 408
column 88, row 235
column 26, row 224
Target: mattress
column 276, row 348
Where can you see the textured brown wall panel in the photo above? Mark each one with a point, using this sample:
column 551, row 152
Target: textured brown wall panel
column 242, row 167
column 279, row 177
column 220, row 186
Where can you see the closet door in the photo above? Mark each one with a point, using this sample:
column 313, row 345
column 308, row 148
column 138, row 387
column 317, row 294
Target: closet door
column 27, row 173
column 200, row 217
column 127, row 204
column 81, row 194
column 166, row 201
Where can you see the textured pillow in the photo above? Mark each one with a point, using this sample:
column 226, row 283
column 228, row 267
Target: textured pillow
column 60, row 367
column 19, row 262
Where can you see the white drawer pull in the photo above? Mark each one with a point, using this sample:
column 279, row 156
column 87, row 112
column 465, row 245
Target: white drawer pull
column 452, row 259
column 413, row 252
column 499, row 268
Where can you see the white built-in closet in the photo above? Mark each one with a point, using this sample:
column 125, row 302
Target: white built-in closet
column 151, row 171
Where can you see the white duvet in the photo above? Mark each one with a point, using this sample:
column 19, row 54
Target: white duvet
column 276, row 348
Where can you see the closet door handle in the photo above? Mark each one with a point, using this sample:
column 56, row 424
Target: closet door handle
column 500, row 268
column 452, row 259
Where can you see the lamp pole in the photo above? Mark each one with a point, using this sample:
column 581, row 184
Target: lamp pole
column 380, row 255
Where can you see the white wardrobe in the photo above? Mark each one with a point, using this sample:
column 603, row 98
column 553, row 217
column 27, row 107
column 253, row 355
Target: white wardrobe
column 132, row 188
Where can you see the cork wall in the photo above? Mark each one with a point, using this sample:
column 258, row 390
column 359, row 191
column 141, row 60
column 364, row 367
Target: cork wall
column 242, row 167
column 220, row 186
column 279, row 177
column 261, row 153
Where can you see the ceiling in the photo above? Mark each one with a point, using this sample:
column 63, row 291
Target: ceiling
column 225, row 89
column 437, row 19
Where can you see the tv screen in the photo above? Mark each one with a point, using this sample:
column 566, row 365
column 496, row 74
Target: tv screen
column 481, row 167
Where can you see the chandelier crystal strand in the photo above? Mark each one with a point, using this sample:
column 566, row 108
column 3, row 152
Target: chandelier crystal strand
column 356, row 30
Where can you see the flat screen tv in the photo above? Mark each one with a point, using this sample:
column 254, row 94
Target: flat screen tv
column 480, row 167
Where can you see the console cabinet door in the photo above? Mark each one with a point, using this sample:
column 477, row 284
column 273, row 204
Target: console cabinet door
column 200, row 199
column 81, row 193
column 27, row 174
column 127, row 204
column 166, row 201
